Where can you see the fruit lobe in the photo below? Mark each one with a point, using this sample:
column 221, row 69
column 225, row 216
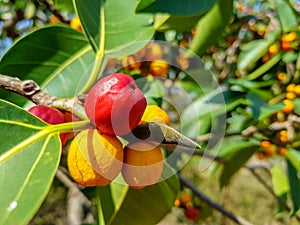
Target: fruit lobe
column 47, row 114
column 192, row 213
column 143, row 164
column 115, row 104
column 95, row 159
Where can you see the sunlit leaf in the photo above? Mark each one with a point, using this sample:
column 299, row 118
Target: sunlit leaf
column 286, row 14
column 279, row 180
column 113, row 27
column 175, row 7
column 28, row 162
column 56, row 57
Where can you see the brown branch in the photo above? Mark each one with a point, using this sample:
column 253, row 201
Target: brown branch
column 32, row 91
column 54, row 11
column 213, row 204
column 77, row 201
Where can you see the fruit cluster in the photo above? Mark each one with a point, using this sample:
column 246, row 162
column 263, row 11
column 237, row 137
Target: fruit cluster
column 115, row 106
column 184, row 201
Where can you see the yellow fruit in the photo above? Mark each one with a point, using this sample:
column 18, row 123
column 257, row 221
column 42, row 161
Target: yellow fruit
column 185, row 199
column 290, row 95
column 281, row 76
column 95, row 159
column 143, row 164
column 265, row 144
column 274, row 49
column 130, row 63
column 291, row 87
column 290, row 37
column 283, row 136
column 75, row 23
column 297, row 89
column 289, row 106
column 159, row 68
column 53, row 20
column 153, row 113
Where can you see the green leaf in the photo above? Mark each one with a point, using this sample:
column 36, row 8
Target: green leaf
column 268, row 110
column 286, row 14
column 297, row 105
column 235, row 155
column 293, row 156
column 178, row 23
column 112, row 27
column 289, row 57
column 211, row 26
column 28, row 162
column 280, row 181
column 175, row 7
column 294, row 182
column 64, row 4
column 56, row 57
column 145, row 206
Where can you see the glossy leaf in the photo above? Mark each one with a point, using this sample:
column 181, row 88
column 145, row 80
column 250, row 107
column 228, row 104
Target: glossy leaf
column 64, row 4
column 145, row 206
column 293, row 156
column 211, row 26
column 294, row 182
column 178, row 23
column 254, row 50
column 235, row 155
column 280, row 181
column 297, row 106
column 56, row 57
column 175, row 7
column 286, row 14
column 268, row 110
column 28, row 162
column 112, row 27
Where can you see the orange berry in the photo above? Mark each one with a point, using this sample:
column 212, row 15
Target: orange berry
column 297, row 89
column 239, row 5
column 290, row 37
column 75, row 23
column 265, row 144
column 266, row 57
column 154, row 113
column 159, row 68
column 281, row 76
column 274, row 49
column 282, row 151
column 177, row 203
column 185, row 198
column 290, row 95
column 289, row 106
column 143, row 164
column 290, row 87
column 286, row 46
column 283, row 136
column 95, row 159
column 53, row 20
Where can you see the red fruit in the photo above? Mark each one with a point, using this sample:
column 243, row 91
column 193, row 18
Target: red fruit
column 115, row 104
column 191, row 213
column 47, row 114
column 51, row 116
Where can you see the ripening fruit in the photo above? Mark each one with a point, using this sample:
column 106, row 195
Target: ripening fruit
column 289, row 106
column 297, row 90
column 154, row 113
column 273, row 49
column 143, row 164
column 159, row 68
column 48, row 114
column 290, row 37
column 130, row 63
column 191, row 213
column 185, row 198
column 95, row 159
column 154, row 52
column 115, row 104
column 75, row 23
column 281, row 76
column 290, row 95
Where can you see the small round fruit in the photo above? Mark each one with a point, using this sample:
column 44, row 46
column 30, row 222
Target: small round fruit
column 191, row 213
column 184, row 199
column 159, row 68
column 115, row 104
column 95, row 159
column 289, row 106
column 75, row 24
column 143, row 164
column 48, row 114
column 154, row 113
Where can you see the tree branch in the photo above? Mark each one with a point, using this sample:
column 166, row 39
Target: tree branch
column 213, row 204
column 32, row 91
